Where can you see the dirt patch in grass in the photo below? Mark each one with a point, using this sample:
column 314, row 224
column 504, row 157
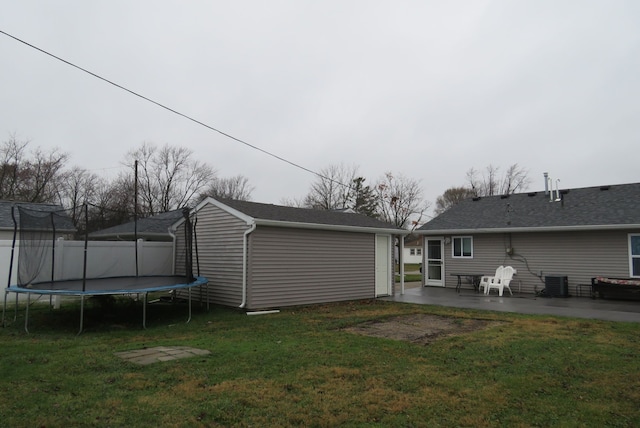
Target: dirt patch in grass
column 421, row 328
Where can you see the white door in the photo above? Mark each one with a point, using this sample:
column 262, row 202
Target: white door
column 383, row 265
column 434, row 252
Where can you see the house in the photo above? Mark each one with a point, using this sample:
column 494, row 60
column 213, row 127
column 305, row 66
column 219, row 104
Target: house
column 578, row 233
column 62, row 219
column 413, row 249
column 259, row 256
column 154, row 228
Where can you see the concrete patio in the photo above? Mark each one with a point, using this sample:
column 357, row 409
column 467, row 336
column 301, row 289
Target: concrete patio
column 578, row 307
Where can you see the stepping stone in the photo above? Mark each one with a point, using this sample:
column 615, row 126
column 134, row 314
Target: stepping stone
column 160, row 353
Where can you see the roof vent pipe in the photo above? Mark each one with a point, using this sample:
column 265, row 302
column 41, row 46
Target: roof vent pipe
column 557, row 191
column 546, row 183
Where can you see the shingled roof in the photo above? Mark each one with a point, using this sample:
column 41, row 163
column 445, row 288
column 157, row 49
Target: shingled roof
column 154, row 227
column 158, row 226
column 589, row 208
column 274, row 214
column 63, row 221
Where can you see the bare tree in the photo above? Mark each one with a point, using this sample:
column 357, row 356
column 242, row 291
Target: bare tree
column 451, row 197
column 400, row 200
column 293, row 202
column 237, row 187
column 168, row 178
column 484, row 184
column 78, row 186
column 148, row 188
column 515, row 179
column 31, row 177
column 46, row 172
column 332, row 188
column 112, row 203
column 490, row 182
column 12, row 155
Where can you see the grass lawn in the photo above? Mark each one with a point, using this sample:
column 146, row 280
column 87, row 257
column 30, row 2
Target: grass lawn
column 300, row 368
column 409, row 267
column 409, row 278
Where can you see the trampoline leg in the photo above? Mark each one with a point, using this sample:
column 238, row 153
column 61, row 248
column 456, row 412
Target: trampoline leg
column 4, row 307
column 81, row 315
column 189, row 306
column 15, row 312
column 144, row 311
column 26, row 314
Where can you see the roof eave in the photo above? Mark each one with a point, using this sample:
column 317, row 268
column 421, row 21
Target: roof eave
column 58, row 231
column 132, row 235
column 530, row 229
column 211, row 201
column 333, row 227
column 249, row 220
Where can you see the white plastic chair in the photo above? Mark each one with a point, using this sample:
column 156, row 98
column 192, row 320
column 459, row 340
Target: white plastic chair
column 486, row 280
column 503, row 282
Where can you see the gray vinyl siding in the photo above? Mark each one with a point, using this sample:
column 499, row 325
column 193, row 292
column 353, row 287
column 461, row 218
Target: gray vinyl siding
column 578, row 255
column 220, row 240
column 298, row 267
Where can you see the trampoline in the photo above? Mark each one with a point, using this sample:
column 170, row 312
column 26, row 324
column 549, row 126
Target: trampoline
column 39, row 231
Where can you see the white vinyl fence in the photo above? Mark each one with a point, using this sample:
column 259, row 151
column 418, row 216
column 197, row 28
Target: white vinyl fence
column 5, row 257
column 104, row 259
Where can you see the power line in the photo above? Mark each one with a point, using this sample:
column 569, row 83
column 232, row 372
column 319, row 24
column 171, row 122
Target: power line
column 172, row 110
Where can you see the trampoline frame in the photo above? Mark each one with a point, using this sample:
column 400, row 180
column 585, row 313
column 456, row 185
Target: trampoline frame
column 82, row 287
column 72, row 291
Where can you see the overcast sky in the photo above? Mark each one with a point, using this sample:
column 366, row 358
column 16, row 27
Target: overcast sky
column 424, row 88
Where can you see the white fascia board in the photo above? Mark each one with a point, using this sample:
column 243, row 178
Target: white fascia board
column 529, row 229
column 242, row 216
column 335, row 227
column 247, row 219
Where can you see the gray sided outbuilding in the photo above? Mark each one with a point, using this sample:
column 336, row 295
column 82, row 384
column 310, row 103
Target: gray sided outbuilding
column 260, row 256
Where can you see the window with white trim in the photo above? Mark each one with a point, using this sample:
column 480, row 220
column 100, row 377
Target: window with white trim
column 412, row 251
column 462, row 247
column 634, row 255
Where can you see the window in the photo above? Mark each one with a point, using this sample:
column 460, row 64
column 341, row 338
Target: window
column 462, row 246
column 412, row 251
column 418, row 251
column 634, row 255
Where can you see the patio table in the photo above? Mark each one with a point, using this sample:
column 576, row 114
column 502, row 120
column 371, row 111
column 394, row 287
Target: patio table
column 474, row 278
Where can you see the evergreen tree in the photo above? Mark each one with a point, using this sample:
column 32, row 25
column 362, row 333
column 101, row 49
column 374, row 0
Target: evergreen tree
column 363, row 198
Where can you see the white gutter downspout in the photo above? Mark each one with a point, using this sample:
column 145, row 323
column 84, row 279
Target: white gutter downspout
column 245, row 239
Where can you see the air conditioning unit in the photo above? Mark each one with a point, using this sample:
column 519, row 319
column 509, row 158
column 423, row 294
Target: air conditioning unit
column 556, row 286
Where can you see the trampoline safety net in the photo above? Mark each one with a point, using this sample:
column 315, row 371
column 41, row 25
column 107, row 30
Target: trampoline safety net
column 46, row 254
